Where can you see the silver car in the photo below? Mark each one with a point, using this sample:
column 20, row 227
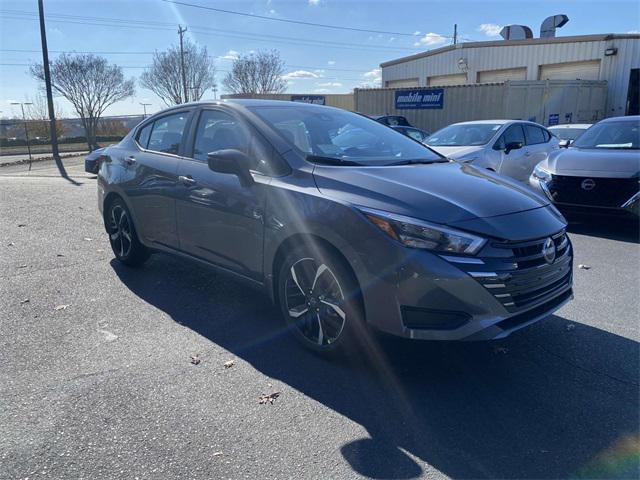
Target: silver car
column 599, row 173
column 509, row 147
column 569, row 133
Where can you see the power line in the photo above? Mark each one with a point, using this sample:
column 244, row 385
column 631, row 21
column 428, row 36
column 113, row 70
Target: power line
column 117, row 22
column 298, row 22
column 289, row 65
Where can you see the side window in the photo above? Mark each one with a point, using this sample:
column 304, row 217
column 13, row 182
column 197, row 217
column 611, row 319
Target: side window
column 218, row 131
column 167, row 133
column 512, row 134
column 415, row 134
column 143, row 135
column 534, row 135
column 547, row 135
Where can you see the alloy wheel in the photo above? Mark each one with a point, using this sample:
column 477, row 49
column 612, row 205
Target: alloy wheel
column 120, row 231
column 315, row 301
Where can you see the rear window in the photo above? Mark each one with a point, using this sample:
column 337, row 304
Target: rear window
column 143, row 135
column 534, row 135
column 166, row 135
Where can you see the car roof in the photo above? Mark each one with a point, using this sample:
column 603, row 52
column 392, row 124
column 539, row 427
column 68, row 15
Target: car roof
column 570, row 125
column 630, row 118
column 497, row 121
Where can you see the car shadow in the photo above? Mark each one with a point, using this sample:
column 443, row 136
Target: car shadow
column 623, row 229
column 557, row 400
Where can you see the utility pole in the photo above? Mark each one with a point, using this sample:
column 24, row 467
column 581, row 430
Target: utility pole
column 455, row 33
column 47, row 80
column 215, row 91
column 181, row 32
column 144, row 106
column 26, row 129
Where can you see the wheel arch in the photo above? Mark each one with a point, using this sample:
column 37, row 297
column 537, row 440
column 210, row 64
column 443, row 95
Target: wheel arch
column 314, row 241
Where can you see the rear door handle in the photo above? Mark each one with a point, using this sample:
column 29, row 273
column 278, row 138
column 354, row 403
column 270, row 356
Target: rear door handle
column 130, row 160
column 527, row 153
column 186, row 180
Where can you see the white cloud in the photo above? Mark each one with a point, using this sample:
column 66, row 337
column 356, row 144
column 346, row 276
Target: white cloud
column 331, row 62
column 430, row 39
column 490, row 29
column 392, row 39
column 632, row 32
column 230, row 55
column 299, row 74
column 313, row 3
column 330, row 84
column 321, row 90
column 373, row 79
column 375, row 73
column 272, row 12
column 417, row 32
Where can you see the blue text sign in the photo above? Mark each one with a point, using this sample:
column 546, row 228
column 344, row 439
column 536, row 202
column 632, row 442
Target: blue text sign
column 420, row 98
column 554, row 119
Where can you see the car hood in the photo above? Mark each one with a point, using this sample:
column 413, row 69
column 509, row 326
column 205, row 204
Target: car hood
column 442, row 193
column 457, row 152
column 574, row 161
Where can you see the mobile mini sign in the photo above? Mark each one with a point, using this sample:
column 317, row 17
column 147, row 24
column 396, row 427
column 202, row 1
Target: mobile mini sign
column 315, row 99
column 421, row 98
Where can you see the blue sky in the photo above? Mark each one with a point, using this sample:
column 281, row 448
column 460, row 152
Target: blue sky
column 319, row 60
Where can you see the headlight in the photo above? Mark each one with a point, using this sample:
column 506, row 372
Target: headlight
column 542, row 174
column 415, row 233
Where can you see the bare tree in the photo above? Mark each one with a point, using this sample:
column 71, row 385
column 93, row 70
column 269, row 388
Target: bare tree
column 38, row 115
column 259, row 72
column 90, row 84
column 164, row 76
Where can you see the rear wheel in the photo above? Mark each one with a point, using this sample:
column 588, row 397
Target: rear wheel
column 320, row 300
column 123, row 237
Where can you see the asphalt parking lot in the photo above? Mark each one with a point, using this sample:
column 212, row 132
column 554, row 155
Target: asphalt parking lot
column 97, row 379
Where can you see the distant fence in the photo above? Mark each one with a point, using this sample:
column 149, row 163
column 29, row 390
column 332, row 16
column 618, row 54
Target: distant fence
column 340, row 100
column 545, row 102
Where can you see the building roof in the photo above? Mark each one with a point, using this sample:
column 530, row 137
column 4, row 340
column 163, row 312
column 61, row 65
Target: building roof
column 506, row 43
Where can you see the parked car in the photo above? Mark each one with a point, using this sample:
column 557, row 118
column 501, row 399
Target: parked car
column 569, row 133
column 598, row 173
column 509, row 147
column 392, row 120
column 412, row 132
column 92, row 161
column 379, row 231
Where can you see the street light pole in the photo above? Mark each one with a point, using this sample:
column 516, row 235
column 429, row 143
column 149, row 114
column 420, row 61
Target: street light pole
column 144, row 106
column 26, row 129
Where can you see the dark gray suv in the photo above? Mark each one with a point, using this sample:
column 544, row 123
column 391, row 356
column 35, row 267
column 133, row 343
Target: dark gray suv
column 342, row 221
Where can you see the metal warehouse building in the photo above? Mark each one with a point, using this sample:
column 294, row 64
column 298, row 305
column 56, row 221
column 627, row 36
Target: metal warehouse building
column 611, row 57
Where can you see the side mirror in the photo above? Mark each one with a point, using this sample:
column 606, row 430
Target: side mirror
column 233, row 162
column 512, row 146
column 564, row 143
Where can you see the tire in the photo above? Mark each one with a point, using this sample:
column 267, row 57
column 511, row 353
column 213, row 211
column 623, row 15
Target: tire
column 123, row 237
column 320, row 302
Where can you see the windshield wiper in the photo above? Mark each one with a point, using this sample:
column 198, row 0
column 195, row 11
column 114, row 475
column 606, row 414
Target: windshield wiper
column 331, row 161
column 418, row 162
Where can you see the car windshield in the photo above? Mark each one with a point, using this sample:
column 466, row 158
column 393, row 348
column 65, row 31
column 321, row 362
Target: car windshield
column 617, row 135
column 463, row 135
column 336, row 136
column 567, row 133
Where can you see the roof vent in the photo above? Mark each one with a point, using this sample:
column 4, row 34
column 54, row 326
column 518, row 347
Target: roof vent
column 516, row 32
column 548, row 27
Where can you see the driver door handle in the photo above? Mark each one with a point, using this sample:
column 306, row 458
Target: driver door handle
column 186, row 180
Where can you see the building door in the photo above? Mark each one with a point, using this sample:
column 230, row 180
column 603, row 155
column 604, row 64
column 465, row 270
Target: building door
column 633, row 95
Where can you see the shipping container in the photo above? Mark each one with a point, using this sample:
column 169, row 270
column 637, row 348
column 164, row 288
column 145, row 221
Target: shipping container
column 545, row 102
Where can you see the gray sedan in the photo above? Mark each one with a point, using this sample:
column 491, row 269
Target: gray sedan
column 341, row 221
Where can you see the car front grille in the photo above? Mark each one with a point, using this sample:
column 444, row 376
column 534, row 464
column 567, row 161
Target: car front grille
column 517, row 273
column 604, row 192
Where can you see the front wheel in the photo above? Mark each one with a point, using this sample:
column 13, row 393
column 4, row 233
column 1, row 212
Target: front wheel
column 123, row 237
column 320, row 300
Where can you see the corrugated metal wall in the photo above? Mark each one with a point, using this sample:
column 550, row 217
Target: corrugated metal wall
column 614, row 69
column 340, row 100
column 584, row 100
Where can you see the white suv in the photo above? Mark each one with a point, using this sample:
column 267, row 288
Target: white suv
column 509, row 147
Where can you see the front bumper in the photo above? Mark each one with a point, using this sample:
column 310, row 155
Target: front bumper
column 439, row 297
